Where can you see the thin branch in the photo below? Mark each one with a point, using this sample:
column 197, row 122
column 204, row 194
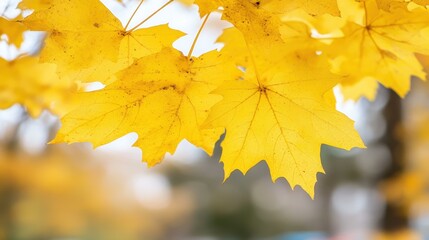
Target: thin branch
column 198, row 35
column 150, row 16
column 134, row 13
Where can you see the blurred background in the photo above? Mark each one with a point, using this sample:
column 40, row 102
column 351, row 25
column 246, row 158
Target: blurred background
column 77, row 192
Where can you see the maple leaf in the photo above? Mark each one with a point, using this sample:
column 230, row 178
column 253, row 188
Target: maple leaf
column 365, row 87
column 153, row 38
column 253, row 20
column 314, row 8
column 387, row 5
column 205, row 7
column 281, row 112
column 13, row 30
column 421, row 2
column 32, row 84
column 380, row 45
column 163, row 101
column 93, row 39
column 274, row 6
column 259, row 19
column 249, row 16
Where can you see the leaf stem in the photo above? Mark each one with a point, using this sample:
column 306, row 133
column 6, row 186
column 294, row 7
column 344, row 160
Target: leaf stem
column 150, row 16
column 134, row 13
column 191, row 50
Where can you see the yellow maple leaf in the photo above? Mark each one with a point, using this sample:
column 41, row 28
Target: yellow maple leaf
column 163, row 101
column 154, row 39
column 253, row 20
column 32, row 84
column 250, row 17
column 421, row 2
column 380, row 44
column 13, row 30
column 275, row 6
column 388, row 4
column 281, row 112
column 93, row 39
column 259, row 21
column 366, row 87
column 206, row 7
column 314, row 8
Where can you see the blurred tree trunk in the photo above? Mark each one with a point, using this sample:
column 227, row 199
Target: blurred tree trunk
column 394, row 216
column 6, row 202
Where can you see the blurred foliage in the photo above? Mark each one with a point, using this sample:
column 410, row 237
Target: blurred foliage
column 59, row 194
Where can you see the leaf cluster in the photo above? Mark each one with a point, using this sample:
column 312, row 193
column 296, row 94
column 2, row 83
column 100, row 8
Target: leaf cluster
column 269, row 88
